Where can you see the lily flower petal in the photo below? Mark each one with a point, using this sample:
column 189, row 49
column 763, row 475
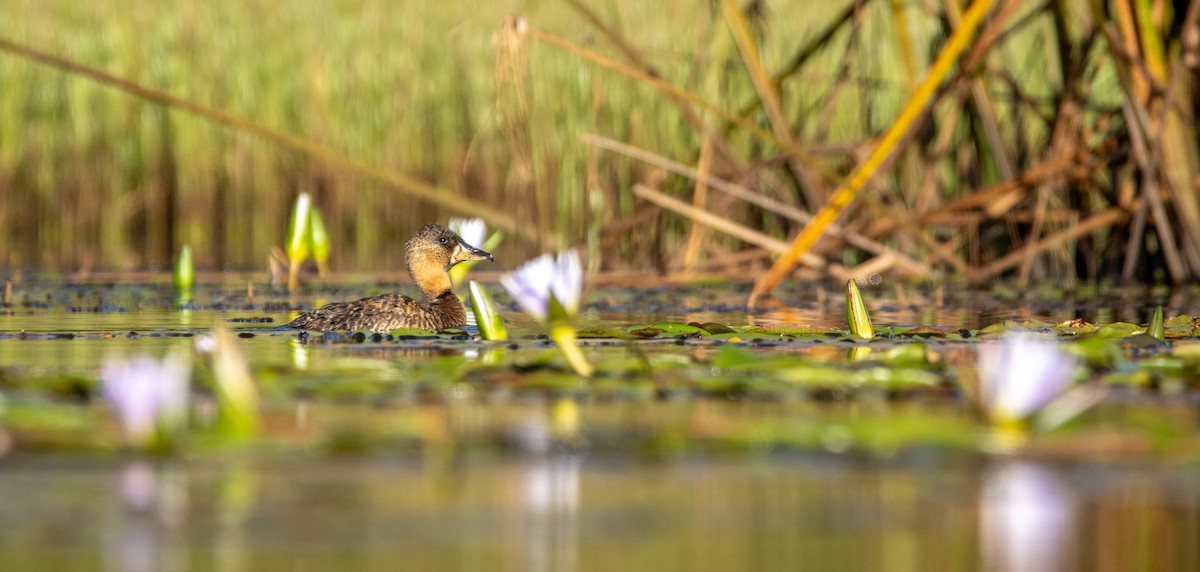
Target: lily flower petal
column 1021, row 375
column 567, row 283
column 473, row 231
column 146, row 394
column 529, row 285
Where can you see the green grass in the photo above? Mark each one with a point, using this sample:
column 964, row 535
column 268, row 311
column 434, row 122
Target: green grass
column 94, row 177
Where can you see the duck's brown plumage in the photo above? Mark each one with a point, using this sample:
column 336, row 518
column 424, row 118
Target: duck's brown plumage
column 428, row 255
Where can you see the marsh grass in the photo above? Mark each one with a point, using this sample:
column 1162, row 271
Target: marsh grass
column 1024, row 165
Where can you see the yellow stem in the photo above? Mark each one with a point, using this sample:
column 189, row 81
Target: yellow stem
column 565, row 337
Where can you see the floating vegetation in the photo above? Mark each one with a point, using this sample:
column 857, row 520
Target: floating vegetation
column 921, row 384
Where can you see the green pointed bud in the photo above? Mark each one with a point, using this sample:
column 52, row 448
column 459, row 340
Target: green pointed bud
column 237, row 395
column 1155, row 328
column 297, row 238
column 319, row 242
column 185, row 271
column 491, row 325
column 298, row 229
column 856, row 313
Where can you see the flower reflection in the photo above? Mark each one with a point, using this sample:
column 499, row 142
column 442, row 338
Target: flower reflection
column 1026, row 519
column 550, row 527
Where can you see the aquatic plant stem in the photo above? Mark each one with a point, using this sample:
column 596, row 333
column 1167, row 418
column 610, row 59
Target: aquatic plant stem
column 846, row 193
column 565, row 336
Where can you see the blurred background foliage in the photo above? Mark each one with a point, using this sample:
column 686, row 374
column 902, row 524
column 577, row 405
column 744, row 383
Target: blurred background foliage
column 1062, row 147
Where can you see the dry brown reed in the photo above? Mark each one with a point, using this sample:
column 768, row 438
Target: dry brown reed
column 1056, row 144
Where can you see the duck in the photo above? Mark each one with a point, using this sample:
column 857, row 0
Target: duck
column 429, row 256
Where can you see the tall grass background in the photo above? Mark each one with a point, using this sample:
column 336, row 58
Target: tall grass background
column 92, row 177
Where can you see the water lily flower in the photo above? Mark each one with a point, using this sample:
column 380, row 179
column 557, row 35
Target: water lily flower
column 1021, row 375
column 549, row 289
column 149, row 396
column 473, row 231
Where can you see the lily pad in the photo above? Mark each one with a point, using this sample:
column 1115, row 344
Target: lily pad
column 714, row 327
column 922, row 332
column 1118, row 330
column 664, row 329
column 411, row 333
column 795, row 330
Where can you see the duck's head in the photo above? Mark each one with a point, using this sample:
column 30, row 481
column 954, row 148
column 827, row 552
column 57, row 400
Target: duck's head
column 432, row 252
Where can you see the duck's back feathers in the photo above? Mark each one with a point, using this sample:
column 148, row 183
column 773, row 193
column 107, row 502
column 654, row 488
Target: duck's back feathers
column 385, row 313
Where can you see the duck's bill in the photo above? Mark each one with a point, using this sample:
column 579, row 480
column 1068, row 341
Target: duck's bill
column 464, row 252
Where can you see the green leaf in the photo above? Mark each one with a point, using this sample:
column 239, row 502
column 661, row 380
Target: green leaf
column 1155, row 328
column 664, row 329
column 793, row 330
column 298, row 229
column 418, row 332
column 856, row 313
column 714, row 327
column 185, row 272
column 732, row 356
column 318, row 237
column 491, row 325
column 1118, row 330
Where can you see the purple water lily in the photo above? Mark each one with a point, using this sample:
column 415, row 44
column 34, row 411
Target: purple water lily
column 146, row 394
column 549, row 289
column 1021, row 375
column 537, row 281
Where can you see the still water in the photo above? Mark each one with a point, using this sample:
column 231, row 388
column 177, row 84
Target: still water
column 441, row 498
column 576, row 512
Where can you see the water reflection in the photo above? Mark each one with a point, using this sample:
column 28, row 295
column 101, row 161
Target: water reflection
column 1026, row 519
column 566, row 512
column 548, row 528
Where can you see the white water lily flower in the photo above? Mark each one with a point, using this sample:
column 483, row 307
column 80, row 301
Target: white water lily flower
column 473, row 231
column 146, row 394
column 534, row 282
column 1021, row 375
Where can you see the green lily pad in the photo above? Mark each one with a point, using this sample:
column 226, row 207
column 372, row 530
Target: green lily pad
column 418, row 332
column 714, row 328
column 732, row 356
column 913, row 354
column 922, row 332
column 1118, row 330
column 664, row 329
column 1007, row 326
column 794, row 330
